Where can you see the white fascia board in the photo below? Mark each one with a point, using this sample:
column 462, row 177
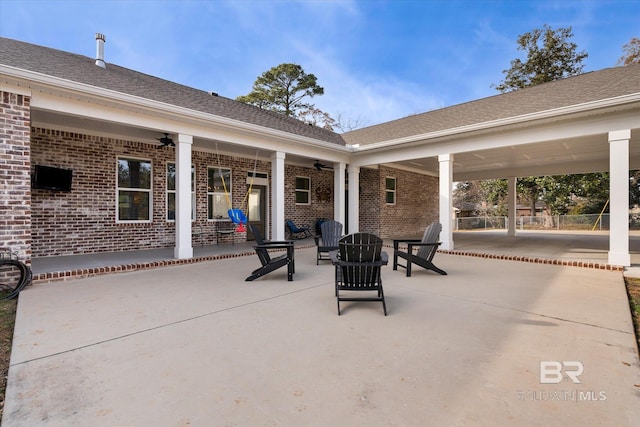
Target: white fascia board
column 19, row 90
column 541, row 115
column 553, row 130
column 176, row 113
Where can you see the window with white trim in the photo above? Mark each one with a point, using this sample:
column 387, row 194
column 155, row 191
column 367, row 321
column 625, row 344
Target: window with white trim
column 133, row 190
column 171, row 192
column 303, row 190
column 218, row 192
column 390, row 190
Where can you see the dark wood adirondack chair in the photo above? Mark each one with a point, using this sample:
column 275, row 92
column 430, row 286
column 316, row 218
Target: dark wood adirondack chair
column 359, row 260
column 270, row 264
column 327, row 241
column 424, row 256
column 296, row 232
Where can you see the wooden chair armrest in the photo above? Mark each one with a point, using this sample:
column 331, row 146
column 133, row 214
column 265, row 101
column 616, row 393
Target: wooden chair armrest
column 278, row 242
column 276, row 245
column 425, row 244
column 396, row 242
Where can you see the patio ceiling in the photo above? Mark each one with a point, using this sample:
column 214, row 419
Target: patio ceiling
column 573, row 155
column 544, row 144
column 72, row 123
column 586, row 153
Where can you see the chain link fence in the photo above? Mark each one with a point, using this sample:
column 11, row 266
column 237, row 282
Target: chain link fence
column 544, row 222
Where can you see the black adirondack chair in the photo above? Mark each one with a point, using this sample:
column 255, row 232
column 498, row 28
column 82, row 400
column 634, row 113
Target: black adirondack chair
column 270, row 264
column 330, row 234
column 296, row 232
column 428, row 247
column 358, row 261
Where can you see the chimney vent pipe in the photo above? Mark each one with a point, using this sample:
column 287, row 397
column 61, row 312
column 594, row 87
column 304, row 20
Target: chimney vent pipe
column 100, row 39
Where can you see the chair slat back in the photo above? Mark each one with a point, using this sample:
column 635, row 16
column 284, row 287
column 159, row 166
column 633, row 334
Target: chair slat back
column 431, row 235
column 331, row 232
column 262, row 253
column 362, row 249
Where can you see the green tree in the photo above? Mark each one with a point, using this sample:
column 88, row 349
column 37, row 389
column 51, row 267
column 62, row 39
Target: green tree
column 468, row 193
column 283, row 89
column 634, row 186
column 550, row 56
column 631, row 53
column 495, row 192
column 593, row 190
column 529, row 189
column 557, row 193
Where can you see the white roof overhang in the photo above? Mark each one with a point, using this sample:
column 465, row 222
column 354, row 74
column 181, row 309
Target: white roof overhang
column 560, row 141
column 69, row 105
column 564, row 140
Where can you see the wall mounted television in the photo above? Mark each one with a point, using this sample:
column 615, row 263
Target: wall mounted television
column 50, row 178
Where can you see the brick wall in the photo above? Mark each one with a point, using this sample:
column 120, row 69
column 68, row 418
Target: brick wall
column 321, row 196
column 83, row 220
column 417, row 203
column 370, row 201
column 15, row 177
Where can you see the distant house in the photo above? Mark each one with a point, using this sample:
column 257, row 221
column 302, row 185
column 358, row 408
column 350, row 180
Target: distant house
column 150, row 162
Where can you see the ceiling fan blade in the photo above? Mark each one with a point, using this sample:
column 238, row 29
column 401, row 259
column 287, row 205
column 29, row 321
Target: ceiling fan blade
column 165, row 141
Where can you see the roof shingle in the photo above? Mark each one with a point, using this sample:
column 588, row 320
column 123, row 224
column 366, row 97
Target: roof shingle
column 587, row 87
column 82, row 69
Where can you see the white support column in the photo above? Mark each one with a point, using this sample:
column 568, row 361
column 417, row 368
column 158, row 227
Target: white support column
column 619, row 198
column 446, row 200
column 511, row 206
column 354, row 199
column 277, row 196
column 184, row 247
column 338, row 192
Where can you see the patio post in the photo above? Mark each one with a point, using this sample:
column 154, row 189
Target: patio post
column 338, row 191
column 184, row 246
column 354, row 198
column 511, row 206
column 619, row 197
column 277, row 195
column 446, row 200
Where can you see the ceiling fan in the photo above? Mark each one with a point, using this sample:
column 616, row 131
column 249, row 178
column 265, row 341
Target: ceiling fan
column 319, row 166
column 165, row 141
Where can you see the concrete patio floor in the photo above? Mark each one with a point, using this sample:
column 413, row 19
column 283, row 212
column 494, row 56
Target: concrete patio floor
column 566, row 247
column 196, row 345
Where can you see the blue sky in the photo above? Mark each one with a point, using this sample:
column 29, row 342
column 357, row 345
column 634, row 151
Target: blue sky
column 377, row 60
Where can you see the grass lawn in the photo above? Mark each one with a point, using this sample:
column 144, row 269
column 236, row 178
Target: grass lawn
column 633, row 291
column 7, row 320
